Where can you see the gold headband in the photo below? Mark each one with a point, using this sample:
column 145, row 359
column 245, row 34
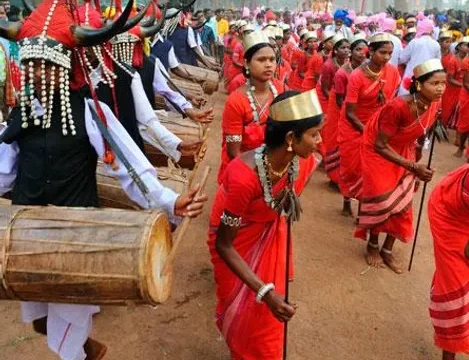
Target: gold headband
column 278, row 32
column 248, row 27
column 358, row 37
column 310, row 35
column 299, row 107
column 327, row 35
column 383, row 37
column 463, row 40
column 337, row 38
column 427, row 67
column 303, row 32
column 269, row 32
column 254, row 38
column 445, row 34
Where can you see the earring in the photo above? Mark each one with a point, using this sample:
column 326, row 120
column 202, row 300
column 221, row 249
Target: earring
column 289, row 148
column 247, row 71
column 419, row 86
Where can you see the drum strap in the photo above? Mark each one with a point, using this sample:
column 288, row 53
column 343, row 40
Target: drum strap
column 131, row 171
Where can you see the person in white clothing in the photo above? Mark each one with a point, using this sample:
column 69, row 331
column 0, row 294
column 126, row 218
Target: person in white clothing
column 419, row 50
column 51, row 146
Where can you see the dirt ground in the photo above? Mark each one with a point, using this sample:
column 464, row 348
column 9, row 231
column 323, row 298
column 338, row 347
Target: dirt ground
column 343, row 315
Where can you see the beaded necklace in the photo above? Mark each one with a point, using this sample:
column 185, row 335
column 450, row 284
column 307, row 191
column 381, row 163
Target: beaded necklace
column 252, row 101
column 262, row 166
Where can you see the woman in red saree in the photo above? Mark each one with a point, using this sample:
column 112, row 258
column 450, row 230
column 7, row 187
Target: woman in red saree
column 298, row 65
column 248, row 229
column 389, row 163
column 454, row 83
column 370, row 87
column 359, row 49
column 247, row 108
column 448, row 211
column 340, row 56
column 463, row 113
column 314, row 63
column 230, row 41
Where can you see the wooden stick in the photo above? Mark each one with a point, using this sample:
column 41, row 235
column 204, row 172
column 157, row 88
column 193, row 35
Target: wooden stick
column 422, row 200
column 184, row 226
column 287, row 285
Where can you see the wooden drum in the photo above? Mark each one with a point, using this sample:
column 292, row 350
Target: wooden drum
column 112, row 195
column 184, row 128
column 187, row 87
column 83, row 255
column 209, row 78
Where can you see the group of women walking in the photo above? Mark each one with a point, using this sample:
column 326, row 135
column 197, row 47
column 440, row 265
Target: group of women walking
column 370, row 141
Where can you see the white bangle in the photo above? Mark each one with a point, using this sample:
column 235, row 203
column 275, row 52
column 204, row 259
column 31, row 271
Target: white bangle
column 263, row 292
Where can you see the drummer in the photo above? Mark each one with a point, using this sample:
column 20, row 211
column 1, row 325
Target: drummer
column 50, row 149
column 122, row 90
column 128, row 49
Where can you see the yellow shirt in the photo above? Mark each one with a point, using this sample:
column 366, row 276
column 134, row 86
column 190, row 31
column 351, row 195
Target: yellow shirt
column 222, row 27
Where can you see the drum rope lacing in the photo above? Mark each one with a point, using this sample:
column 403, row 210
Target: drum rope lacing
column 5, row 254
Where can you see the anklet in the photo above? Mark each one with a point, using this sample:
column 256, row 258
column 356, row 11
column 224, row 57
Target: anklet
column 372, row 245
column 386, row 251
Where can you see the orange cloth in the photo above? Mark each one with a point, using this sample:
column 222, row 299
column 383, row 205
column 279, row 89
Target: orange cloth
column 363, row 92
column 388, row 189
column 313, row 70
column 250, row 330
column 238, row 120
column 463, row 113
column 298, row 64
column 448, row 211
column 451, row 95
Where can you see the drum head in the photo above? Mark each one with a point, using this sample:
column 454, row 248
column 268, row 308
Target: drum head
column 155, row 286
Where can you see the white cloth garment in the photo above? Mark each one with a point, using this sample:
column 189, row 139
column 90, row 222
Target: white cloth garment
column 149, row 126
column 160, row 86
column 396, row 53
column 417, row 52
column 191, row 39
column 172, row 58
column 344, row 30
column 69, row 325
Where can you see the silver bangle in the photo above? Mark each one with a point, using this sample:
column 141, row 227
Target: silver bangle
column 233, row 138
column 230, row 221
column 263, row 292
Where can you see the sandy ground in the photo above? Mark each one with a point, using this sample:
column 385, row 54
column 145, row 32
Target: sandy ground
column 342, row 315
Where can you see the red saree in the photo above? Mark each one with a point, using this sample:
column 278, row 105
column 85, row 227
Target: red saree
column 298, row 64
column 451, row 95
column 313, row 69
column 388, row 189
column 331, row 128
column 463, row 122
column 238, row 121
column 237, row 56
column 448, row 211
column 363, row 92
column 250, row 330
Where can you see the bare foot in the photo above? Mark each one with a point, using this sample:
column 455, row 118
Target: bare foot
column 458, row 153
column 372, row 256
column 94, row 350
column 391, row 262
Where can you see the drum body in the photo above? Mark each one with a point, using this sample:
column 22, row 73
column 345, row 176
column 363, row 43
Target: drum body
column 208, row 78
column 112, row 195
column 83, row 255
column 185, row 129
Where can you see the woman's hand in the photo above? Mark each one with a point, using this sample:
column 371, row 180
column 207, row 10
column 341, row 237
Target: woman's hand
column 423, row 173
column 278, row 307
column 189, row 205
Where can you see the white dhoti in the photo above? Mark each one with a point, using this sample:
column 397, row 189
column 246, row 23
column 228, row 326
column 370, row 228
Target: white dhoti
column 68, row 326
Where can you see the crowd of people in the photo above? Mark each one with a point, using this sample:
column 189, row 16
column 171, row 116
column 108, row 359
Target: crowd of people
column 383, row 84
column 357, row 95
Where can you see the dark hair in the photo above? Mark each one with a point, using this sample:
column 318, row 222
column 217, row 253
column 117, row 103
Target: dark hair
column 250, row 53
column 218, row 11
column 356, row 43
column 197, row 13
column 421, row 80
column 378, row 45
column 409, row 36
column 337, row 45
column 275, row 131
